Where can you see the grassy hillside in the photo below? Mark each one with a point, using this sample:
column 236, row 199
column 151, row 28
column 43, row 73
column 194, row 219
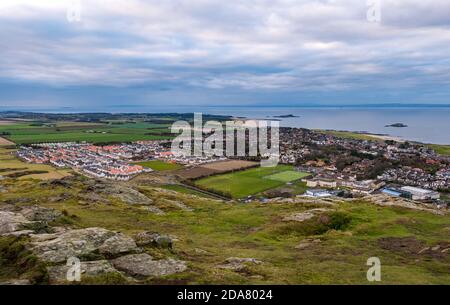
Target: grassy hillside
column 340, row 241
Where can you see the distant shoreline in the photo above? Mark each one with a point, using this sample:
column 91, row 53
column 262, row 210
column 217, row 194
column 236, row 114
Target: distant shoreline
column 7, row 117
column 70, row 110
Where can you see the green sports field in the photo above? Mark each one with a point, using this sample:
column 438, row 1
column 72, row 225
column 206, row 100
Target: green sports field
column 287, row 176
column 252, row 181
column 158, row 165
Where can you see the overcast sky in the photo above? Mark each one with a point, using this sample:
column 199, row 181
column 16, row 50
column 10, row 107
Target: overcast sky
column 206, row 52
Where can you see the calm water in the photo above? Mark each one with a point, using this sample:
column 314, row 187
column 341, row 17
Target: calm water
column 427, row 125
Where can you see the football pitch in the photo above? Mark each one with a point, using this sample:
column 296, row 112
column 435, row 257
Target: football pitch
column 288, row 176
column 252, row 181
column 158, row 165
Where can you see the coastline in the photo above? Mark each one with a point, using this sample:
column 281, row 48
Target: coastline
column 442, row 149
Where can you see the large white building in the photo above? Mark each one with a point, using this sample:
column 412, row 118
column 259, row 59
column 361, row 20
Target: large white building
column 322, row 182
column 419, row 193
column 318, row 193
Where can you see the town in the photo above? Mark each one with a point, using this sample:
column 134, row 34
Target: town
column 352, row 167
column 113, row 162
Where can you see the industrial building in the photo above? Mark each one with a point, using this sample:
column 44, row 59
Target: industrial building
column 411, row 192
column 318, row 193
column 420, row 194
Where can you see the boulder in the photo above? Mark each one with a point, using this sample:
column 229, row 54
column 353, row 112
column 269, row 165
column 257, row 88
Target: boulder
column 307, row 243
column 118, row 244
column 17, row 200
column 152, row 209
column 92, row 198
column 16, row 282
column 143, row 265
column 124, row 193
column 38, row 213
column 239, row 264
column 60, row 197
column 56, row 248
column 58, row 274
column 19, row 233
column 11, row 222
column 148, row 238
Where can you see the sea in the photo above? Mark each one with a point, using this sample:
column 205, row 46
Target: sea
column 425, row 125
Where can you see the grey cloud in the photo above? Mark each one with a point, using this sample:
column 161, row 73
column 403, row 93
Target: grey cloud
column 274, row 46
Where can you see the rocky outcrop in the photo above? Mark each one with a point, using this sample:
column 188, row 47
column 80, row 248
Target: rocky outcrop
column 38, row 213
column 153, row 209
column 153, row 239
column 117, row 244
column 16, row 282
column 99, row 191
column 11, row 222
column 143, row 265
column 56, row 248
column 60, row 197
column 307, row 243
column 303, row 216
column 239, row 264
column 58, row 274
column 117, row 190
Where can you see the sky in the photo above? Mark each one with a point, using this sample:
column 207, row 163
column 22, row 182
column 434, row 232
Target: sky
column 113, row 54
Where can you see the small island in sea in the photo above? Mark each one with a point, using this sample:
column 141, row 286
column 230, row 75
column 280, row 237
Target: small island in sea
column 399, row 125
column 284, row 116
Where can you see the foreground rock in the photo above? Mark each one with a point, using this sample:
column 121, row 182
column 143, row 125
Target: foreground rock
column 56, row 248
column 16, row 282
column 143, row 265
column 300, row 217
column 58, row 274
column 124, row 193
column 239, row 264
column 11, row 222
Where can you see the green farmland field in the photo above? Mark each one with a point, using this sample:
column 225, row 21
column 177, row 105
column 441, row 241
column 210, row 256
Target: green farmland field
column 440, row 149
column 249, row 182
column 29, row 132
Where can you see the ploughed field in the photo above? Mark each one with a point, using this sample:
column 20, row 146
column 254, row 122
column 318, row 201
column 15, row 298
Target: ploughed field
column 214, row 168
column 112, row 132
column 251, row 181
column 5, row 142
